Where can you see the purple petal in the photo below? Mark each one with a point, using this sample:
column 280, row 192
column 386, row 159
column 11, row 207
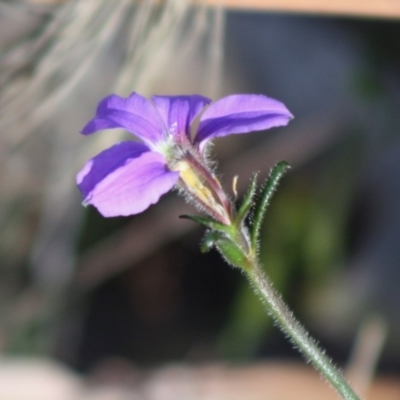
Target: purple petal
column 125, row 179
column 241, row 113
column 135, row 113
column 178, row 112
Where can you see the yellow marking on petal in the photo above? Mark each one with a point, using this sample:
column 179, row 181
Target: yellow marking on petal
column 196, row 186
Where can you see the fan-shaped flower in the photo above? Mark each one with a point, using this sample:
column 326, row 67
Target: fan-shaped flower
column 130, row 176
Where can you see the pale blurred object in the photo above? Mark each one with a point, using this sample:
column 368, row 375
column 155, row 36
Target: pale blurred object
column 279, row 380
column 375, row 8
column 36, row 379
column 40, row 379
column 369, row 344
column 45, row 73
column 56, row 61
column 48, row 1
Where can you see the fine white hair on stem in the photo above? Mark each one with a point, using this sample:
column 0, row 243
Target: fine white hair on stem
column 297, row 334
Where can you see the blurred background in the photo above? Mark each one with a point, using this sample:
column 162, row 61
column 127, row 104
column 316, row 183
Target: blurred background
column 114, row 300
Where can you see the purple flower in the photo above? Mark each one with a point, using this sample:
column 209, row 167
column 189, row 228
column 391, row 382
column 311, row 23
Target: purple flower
column 130, row 176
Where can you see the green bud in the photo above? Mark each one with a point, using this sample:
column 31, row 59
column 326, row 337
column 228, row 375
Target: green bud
column 232, row 253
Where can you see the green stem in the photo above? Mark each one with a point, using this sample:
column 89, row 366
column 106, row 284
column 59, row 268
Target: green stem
column 292, row 328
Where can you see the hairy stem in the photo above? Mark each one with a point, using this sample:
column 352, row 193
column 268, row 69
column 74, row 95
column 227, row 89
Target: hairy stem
column 292, row 328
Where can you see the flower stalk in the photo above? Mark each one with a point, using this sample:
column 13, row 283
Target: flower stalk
column 286, row 321
column 130, row 176
column 243, row 254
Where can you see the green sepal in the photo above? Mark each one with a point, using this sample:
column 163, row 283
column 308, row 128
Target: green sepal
column 248, row 202
column 229, row 250
column 208, row 222
column 232, row 253
column 267, row 191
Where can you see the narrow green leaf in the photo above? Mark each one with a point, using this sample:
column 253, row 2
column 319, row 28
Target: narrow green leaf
column 269, row 188
column 208, row 222
column 247, row 201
